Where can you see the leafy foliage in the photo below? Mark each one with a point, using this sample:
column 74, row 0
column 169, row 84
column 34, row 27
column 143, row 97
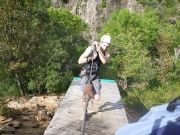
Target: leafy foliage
column 133, row 34
column 143, row 48
column 37, row 44
column 143, row 53
column 8, row 87
column 20, row 37
column 152, row 97
column 58, row 64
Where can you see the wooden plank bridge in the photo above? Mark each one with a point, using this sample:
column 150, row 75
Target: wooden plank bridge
column 104, row 117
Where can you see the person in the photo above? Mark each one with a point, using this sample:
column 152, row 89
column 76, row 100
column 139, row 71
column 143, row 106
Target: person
column 98, row 53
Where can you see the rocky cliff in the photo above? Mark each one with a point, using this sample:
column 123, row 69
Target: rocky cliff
column 95, row 12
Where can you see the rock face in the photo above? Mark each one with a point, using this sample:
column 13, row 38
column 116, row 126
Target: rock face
column 8, row 125
column 42, row 102
column 95, row 12
column 132, row 5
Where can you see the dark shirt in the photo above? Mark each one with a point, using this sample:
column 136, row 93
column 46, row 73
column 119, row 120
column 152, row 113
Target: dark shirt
column 95, row 68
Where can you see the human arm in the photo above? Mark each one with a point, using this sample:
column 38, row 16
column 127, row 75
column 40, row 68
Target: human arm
column 85, row 56
column 103, row 57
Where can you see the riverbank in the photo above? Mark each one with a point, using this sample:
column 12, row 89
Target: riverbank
column 30, row 116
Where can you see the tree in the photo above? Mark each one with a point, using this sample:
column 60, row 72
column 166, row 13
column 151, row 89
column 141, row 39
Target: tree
column 21, row 29
column 37, row 44
column 61, row 51
column 133, row 34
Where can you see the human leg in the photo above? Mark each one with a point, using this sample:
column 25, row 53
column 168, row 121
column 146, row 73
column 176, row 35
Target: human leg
column 88, row 95
column 83, row 82
column 84, row 79
column 97, row 87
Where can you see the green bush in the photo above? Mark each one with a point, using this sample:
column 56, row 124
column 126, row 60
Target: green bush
column 8, row 86
column 41, row 51
column 8, row 89
column 142, row 48
column 132, row 36
column 56, row 82
column 4, row 110
column 151, row 97
column 142, row 53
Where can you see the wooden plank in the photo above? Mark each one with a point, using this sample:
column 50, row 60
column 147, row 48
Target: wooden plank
column 105, row 117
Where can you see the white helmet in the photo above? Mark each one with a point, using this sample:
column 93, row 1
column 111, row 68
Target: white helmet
column 106, row 39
